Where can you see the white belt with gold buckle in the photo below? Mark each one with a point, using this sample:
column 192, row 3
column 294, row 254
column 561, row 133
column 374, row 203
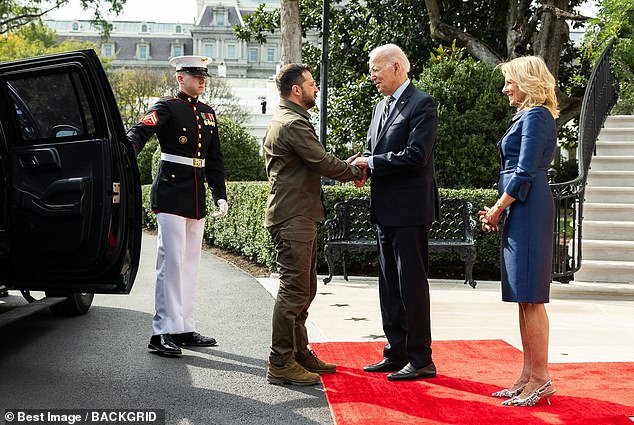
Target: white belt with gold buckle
column 194, row 162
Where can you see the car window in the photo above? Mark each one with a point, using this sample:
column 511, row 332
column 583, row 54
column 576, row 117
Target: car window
column 51, row 106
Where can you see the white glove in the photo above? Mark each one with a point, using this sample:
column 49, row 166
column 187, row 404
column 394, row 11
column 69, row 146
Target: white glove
column 223, row 208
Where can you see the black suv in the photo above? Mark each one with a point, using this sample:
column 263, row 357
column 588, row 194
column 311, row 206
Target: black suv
column 70, row 203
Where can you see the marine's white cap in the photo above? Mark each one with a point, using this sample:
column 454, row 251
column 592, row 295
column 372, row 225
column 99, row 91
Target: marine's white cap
column 196, row 65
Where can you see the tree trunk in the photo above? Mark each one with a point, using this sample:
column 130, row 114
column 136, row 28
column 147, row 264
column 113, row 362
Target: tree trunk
column 552, row 35
column 546, row 32
column 441, row 31
column 291, row 29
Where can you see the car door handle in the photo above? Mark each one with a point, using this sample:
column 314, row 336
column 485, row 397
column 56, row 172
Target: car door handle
column 40, row 157
column 42, row 205
column 74, row 184
column 28, row 161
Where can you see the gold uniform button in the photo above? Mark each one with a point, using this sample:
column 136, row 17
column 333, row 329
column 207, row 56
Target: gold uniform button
column 199, row 145
column 173, row 176
column 184, row 129
column 198, row 154
column 200, row 135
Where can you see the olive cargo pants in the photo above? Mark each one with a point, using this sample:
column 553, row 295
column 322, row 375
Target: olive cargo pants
column 296, row 245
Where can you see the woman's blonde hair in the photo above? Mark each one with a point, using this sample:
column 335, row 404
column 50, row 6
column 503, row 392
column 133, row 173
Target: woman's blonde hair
column 533, row 78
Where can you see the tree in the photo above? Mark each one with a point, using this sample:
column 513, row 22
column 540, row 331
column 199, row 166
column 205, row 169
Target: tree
column 538, row 28
column 136, row 89
column 16, row 13
column 291, row 30
column 35, row 39
column 615, row 21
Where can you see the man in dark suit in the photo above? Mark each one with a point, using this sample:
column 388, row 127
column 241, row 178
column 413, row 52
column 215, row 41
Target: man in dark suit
column 404, row 203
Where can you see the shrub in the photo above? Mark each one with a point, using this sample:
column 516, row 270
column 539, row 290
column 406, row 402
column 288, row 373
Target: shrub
column 241, row 152
column 242, row 231
column 472, row 117
column 145, row 160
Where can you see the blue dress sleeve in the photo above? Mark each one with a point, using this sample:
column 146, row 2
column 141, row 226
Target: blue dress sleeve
column 534, row 141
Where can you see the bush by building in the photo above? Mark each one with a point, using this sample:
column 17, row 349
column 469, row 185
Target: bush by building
column 242, row 231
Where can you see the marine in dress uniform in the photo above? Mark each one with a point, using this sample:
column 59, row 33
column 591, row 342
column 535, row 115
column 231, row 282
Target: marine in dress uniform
column 187, row 131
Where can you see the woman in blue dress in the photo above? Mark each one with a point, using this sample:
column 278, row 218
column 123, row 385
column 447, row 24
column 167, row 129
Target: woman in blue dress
column 526, row 151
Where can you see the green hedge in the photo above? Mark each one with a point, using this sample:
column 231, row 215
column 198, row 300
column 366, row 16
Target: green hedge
column 242, row 230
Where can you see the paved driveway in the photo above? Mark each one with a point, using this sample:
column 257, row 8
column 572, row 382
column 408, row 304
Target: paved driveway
column 100, row 360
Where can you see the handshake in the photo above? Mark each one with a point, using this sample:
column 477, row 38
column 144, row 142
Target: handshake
column 362, row 163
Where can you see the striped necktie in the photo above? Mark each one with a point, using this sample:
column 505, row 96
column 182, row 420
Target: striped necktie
column 386, row 112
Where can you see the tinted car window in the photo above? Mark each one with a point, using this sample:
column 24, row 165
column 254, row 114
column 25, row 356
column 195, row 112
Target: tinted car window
column 51, row 106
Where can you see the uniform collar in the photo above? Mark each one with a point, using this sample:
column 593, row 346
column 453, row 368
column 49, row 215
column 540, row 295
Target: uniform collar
column 187, row 98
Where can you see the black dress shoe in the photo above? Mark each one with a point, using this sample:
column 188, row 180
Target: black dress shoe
column 193, row 339
column 385, row 365
column 410, row 373
column 164, row 346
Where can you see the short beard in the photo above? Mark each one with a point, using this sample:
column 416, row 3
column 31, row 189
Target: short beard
column 308, row 101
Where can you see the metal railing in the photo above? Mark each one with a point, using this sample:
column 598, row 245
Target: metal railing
column 599, row 98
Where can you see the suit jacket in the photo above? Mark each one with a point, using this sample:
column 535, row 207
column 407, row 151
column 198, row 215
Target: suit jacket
column 188, row 128
column 404, row 190
column 295, row 161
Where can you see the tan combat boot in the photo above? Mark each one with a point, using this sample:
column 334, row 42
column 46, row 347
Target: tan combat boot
column 291, row 373
column 309, row 360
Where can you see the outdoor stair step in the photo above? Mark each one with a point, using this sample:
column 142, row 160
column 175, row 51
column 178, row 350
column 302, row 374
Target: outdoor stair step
column 617, row 195
column 614, row 162
column 611, row 134
column 608, row 230
column 619, row 121
column 611, row 178
column 615, row 148
column 608, row 211
column 607, row 250
column 606, row 271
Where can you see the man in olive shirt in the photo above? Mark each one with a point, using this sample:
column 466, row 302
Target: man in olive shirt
column 295, row 162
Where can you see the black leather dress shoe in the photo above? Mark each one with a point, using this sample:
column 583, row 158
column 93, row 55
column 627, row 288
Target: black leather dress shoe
column 410, row 373
column 193, row 339
column 164, row 346
column 385, row 365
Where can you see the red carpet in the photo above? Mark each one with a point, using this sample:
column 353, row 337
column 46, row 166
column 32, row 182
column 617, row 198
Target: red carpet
column 468, row 372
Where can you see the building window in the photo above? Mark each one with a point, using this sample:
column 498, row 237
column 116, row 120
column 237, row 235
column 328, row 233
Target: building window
column 144, row 28
column 220, row 19
column 143, row 51
column 208, row 50
column 232, row 51
column 270, row 54
column 177, row 49
column 107, row 50
column 253, row 54
column 179, row 29
column 75, row 26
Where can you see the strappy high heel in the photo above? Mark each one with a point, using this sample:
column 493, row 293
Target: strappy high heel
column 515, row 390
column 545, row 391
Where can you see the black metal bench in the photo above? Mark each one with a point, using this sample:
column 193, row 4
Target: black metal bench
column 351, row 230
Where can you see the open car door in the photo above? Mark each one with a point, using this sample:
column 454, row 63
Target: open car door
column 70, row 202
